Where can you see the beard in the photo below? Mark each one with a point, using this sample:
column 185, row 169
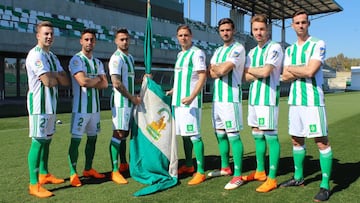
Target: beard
column 227, row 39
column 88, row 49
column 124, row 48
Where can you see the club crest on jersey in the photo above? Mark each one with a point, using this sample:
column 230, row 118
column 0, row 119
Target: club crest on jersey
column 38, row 63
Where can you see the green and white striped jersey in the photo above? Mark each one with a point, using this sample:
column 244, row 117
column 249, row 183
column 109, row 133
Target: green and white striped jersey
column 265, row 91
column 187, row 64
column 85, row 99
column 123, row 65
column 41, row 99
column 306, row 91
column 228, row 88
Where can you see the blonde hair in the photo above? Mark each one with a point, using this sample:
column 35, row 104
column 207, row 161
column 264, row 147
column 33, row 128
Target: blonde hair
column 43, row 24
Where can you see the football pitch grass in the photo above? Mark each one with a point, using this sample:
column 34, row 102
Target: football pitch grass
column 343, row 113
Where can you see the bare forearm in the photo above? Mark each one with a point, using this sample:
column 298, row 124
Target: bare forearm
column 90, row 82
column 122, row 89
column 300, row 71
column 218, row 70
column 248, row 76
column 287, row 76
column 199, row 85
column 63, row 79
column 103, row 84
column 49, row 79
column 212, row 74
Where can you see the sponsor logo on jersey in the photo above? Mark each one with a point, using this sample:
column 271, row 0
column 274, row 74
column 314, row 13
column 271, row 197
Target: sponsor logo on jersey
column 201, row 59
column 236, row 54
column 275, row 54
column 322, row 51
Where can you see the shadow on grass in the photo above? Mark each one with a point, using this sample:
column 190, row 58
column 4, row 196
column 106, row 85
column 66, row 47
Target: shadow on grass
column 91, row 180
column 343, row 174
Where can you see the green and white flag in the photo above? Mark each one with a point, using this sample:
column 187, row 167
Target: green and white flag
column 153, row 146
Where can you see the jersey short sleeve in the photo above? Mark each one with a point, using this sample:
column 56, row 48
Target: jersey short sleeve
column 247, row 61
column 76, row 65
column 275, row 55
column 319, row 51
column 37, row 63
column 237, row 56
column 199, row 60
column 115, row 65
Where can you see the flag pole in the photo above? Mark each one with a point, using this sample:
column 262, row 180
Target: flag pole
column 148, row 41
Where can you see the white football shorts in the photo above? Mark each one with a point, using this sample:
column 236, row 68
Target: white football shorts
column 307, row 121
column 227, row 116
column 88, row 123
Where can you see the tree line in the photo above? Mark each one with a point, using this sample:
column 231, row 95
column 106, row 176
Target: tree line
column 342, row 63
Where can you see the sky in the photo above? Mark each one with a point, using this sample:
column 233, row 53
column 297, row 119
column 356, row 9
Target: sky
column 340, row 31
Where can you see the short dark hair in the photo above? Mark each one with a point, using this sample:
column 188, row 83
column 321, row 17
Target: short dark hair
column 43, row 24
column 122, row 30
column 186, row 27
column 88, row 30
column 226, row 21
column 300, row 12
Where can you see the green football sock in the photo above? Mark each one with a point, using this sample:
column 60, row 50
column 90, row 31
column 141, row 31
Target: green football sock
column 274, row 154
column 326, row 164
column 237, row 152
column 223, row 144
column 114, row 152
column 34, row 159
column 199, row 154
column 260, row 150
column 188, row 145
column 123, row 151
column 90, row 151
column 44, row 157
column 73, row 154
column 299, row 156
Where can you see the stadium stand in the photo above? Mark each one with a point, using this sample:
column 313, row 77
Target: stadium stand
column 18, row 21
column 24, row 20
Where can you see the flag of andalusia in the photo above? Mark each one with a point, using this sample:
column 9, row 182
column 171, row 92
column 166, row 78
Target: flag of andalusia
column 153, row 148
